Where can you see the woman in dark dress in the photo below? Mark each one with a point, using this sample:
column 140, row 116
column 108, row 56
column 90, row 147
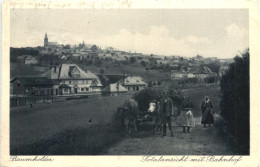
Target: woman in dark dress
column 206, row 108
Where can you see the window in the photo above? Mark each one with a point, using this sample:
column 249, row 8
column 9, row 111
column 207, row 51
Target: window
column 87, row 89
column 66, row 90
column 18, row 85
column 75, row 75
column 82, row 89
column 69, row 82
column 76, row 82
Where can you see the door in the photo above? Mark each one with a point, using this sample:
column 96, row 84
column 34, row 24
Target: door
column 76, row 90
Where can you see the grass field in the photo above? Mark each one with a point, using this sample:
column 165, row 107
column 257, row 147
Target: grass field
column 54, row 121
column 63, row 128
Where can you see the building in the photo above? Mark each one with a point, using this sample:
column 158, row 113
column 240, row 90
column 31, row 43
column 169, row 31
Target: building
column 201, row 72
column 30, row 60
column 176, row 75
column 31, row 86
column 72, row 79
column 114, row 89
column 48, row 44
column 133, row 83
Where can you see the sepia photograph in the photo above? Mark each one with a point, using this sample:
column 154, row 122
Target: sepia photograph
column 129, row 82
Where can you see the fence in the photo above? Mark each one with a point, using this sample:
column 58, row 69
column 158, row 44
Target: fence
column 16, row 101
column 30, row 100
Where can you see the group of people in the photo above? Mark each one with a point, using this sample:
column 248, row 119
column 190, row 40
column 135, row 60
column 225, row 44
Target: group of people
column 185, row 119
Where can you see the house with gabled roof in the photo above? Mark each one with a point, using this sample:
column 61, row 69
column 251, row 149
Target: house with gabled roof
column 133, row 83
column 176, row 75
column 31, row 86
column 114, row 89
column 201, row 72
column 72, row 79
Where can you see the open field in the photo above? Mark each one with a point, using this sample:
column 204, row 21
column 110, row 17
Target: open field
column 31, row 125
column 77, row 127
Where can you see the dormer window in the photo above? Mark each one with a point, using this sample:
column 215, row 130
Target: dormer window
column 74, row 72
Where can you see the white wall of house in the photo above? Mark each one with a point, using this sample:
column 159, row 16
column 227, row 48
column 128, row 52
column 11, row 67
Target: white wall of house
column 134, row 87
column 191, row 75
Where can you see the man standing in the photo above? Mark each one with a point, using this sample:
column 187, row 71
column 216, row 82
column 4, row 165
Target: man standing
column 166, row 107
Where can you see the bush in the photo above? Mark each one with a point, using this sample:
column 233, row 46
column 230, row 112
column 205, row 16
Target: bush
column 235, row 101
column 102, row 71
column 132, row 60
column 210, row 79
column 188, row 80
column 143, row 63
column 145, row 96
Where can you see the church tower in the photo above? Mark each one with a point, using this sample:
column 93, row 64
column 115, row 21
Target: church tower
column 45, row 40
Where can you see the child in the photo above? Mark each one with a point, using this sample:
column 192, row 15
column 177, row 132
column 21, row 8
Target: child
column 186, row 120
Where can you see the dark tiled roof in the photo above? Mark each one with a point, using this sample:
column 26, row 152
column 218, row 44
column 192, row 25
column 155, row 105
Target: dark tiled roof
column 33, row 80
column 200, row 70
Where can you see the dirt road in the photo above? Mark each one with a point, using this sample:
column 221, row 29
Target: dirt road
column 201, row 141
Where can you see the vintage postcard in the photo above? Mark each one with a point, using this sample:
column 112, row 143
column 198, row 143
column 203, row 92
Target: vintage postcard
column 123, row 83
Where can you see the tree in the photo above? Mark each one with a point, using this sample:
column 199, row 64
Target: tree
column 66, row 46
column 234, row 104
column 132, row 60
column 94, row 48
column 102, row 71
column 143, row 63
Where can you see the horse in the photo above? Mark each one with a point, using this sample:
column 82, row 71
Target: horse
column 128, row 115
column 154, row 113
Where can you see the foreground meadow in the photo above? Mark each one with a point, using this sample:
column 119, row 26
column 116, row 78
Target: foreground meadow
column 78, row 127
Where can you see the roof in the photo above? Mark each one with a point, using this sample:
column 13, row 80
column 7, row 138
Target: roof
column 116, row 87
column 224, row 68
column 52, row 44
column 64, row 86
column 62, row 72
column 33, row 80
column 30, row 58
column 23, row 56
column 200, row 70
column 134, row 80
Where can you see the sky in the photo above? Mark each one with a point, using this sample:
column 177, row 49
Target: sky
column 218, row 33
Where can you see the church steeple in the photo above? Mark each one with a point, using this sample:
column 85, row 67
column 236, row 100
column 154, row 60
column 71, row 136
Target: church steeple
column 46, row 40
